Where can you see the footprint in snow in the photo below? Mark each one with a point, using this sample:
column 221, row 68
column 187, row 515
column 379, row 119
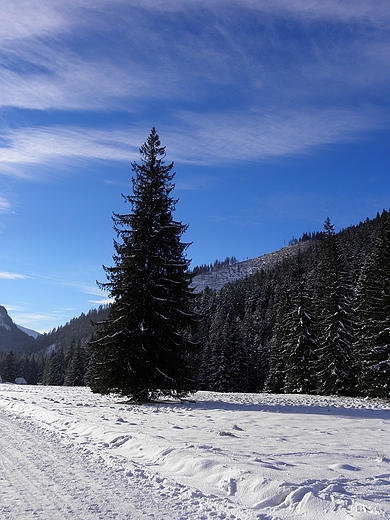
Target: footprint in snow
column 347, row 467
column 230, row 486
column 226, row 434
column 119, row 441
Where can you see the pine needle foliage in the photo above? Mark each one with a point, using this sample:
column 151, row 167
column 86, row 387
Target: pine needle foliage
column 336, row 359
column 143, row 348
column 373, row 309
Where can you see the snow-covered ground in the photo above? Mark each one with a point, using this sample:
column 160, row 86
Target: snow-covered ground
column 67, row 453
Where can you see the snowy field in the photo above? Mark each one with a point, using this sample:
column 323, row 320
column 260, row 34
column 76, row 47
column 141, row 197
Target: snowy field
column 69, row 454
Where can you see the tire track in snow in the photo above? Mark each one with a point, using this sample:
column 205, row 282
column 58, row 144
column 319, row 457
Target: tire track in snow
column 41, row 480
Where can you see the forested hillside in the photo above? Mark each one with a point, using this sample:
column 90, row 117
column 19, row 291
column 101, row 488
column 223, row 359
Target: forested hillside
column 56, row 358
column 221, row 273
column 316, row 321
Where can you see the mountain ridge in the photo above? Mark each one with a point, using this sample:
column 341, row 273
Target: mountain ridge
column 216, row 279
column 12, row 337
column 32, row 333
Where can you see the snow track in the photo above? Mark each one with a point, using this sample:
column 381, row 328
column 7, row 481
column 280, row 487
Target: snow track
column 42, row 480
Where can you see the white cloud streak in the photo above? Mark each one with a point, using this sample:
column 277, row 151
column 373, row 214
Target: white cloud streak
column 371, row 11
column 5, row 275
column 61, row 146
column 29, row 320
column 42, row 67
column 5, row 205
column 203, row 139
column 347, row 11
column 23, row 19
column 255, row 135
column 103, row 301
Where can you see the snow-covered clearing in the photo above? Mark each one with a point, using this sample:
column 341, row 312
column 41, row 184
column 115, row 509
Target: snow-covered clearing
column 67, row 453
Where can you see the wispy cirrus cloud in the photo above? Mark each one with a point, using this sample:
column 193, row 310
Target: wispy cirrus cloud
column 102, row 301
column 115, row 54
column 293, row 93
column 101, row 297
column 369, row 12
column 109, row 54
column 203, row 138
column 29, row 320
column 5, row 205
column 23, row 19
column 255, row 135
column 6, row 275
column 45, row 146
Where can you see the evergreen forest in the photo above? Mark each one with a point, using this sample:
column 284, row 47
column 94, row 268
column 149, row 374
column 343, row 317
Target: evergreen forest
column 315, row 322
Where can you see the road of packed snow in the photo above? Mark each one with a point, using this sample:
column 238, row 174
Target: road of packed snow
column 69, row 454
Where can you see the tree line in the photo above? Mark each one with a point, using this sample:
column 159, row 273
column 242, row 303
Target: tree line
column 215, row 266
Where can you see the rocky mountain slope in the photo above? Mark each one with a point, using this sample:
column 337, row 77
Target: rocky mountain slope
column 11, row 336
column 216, row 279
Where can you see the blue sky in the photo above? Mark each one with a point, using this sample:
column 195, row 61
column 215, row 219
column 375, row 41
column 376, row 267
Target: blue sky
column 275, row 112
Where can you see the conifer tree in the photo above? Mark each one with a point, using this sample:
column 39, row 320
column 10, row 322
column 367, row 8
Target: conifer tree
column 32, row 376
column 256, row 329
column 277, row 366
column 9, row 370
column 239, row 363
column 219, row 371
column 205, row 308
column 336, row 360
column 142, row 348
column 373, row 310
column 299, row 336
column 75, row 369
column 54, row 369
column 229, row 357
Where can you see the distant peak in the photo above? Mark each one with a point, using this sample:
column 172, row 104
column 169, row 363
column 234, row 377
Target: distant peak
column 33, row 333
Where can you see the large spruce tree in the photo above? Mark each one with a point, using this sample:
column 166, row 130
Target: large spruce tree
column 336, row 360
column 298, row 344
column 142, row 349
